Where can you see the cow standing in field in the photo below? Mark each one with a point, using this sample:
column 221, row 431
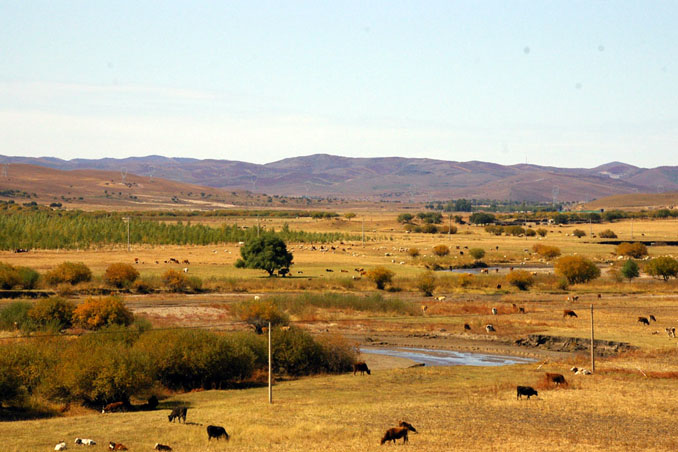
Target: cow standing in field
column 112, row 407
column 568, row 313
column 395, row 433
column 214, row 431
column 557, row 379
column 178, row 413
column 525, row 391
column 362, row 368
column 643, row 320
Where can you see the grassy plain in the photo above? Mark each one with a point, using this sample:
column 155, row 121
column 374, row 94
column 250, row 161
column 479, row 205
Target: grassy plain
column 627, row 405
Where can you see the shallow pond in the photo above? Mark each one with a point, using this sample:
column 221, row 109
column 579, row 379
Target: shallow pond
column 447, row 357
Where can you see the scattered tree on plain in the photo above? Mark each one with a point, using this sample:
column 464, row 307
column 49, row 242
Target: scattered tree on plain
column 267, row 252
column 577, row 269
column 380, row 276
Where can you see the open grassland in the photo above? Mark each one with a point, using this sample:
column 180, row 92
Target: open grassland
column 459, row 408
column 627, row 405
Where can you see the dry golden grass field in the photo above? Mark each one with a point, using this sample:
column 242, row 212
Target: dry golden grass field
column 628, row 404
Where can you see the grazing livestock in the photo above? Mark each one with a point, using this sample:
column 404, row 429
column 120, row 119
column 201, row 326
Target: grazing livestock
column 178, row 413
column 185, row 269
column 525, row 391
column 85, row 442
column 494, row 311
column 583, row 372
column 285, row 328
column 600, row 296
column 408, row 426
column 61, row 446
column 489, row 328
column 467, row 326
column 498, row 286
column 159, row 446
column 116, row 446
column 329, row 270
column 392, row 434
column 521, row 310
column 115, row 406
column 185, row 261
column 424, row 308
column 671, row 331
column 362, row 368
column 568, row 313
column 643, row 320
column 653, row 318
column 558, row 379
column 214, row 431
column 440, row 298
column 21, row 250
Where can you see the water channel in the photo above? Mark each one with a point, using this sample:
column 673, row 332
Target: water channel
column 447, row 357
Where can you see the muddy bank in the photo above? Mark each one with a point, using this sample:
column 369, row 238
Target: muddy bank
column 574, row 344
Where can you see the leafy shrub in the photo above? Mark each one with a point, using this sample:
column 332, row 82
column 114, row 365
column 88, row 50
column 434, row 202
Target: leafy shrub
column 405, row 218
column 380, row 276
column 69, row 272
column 426, row 282
column 477, row 253
column 520, row 278
column 494, row 230
column 578, row 233
column 29, row 277
column 259, row 313
column 120, row 275
column 15, row 315
column 577, row 269
column 482, row 218
column 143, row 286
column 9, row 277
column 630, row 269
column 635, row 250
column 53, row 313
column 11, row 384
column 413, row 252
column 607, row 234
column 175, row 281
column 514, row 230
column 542, row 232
column 546, row 251
column 663, row 267
column 338, row 353
column 99, row 369
column 96, row 313
column 441, row 250
column 530, row 232
column 191, row 359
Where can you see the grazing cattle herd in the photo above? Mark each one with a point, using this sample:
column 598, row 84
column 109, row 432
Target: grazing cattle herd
column 392, row 434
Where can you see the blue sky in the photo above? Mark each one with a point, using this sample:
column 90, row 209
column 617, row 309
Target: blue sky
column 550, row 82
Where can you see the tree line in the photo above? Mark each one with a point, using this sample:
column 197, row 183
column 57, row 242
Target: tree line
column 52, row 229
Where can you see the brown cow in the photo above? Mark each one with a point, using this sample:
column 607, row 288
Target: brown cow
column 362, row 367
column 395, row 433
column 558, row 379
column 116, row 446
column 115, row 406
column 568, row 313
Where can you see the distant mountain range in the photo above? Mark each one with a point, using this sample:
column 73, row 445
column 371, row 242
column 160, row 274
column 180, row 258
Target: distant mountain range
column 389, row 178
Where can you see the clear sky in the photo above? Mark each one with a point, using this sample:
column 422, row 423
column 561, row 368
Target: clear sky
column 566, row 83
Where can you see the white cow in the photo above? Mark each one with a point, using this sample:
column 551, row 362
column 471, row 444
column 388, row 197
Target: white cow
column 61, row 446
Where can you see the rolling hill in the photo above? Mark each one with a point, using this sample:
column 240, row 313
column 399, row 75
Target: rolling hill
column 389, row 178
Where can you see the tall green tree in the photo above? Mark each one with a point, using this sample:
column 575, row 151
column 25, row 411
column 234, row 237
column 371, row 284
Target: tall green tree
column 267, row 252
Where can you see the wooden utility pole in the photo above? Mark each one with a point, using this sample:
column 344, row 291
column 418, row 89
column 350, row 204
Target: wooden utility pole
column 270, row 367
column 593, row 357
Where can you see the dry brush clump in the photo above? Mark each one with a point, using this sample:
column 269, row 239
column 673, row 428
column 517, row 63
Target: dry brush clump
column 635, row 250
column 546, row 251
column 120, row 275
column 70, row 273
column 17, row 277
column 96, row 313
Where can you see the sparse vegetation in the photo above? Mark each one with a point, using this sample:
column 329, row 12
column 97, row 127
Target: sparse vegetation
column 546, row 251
column 520, row 279
column 426, row 282
column 380, row 276
column 441, row 250
column 477, row 253
column 577, row 269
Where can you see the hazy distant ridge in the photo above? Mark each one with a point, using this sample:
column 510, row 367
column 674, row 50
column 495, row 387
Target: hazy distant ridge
column 389, row 178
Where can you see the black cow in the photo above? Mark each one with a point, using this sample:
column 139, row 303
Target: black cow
column 525, row 391
column 178, row 413
column 214, row 431
column 362, row 368
column 643, row 320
